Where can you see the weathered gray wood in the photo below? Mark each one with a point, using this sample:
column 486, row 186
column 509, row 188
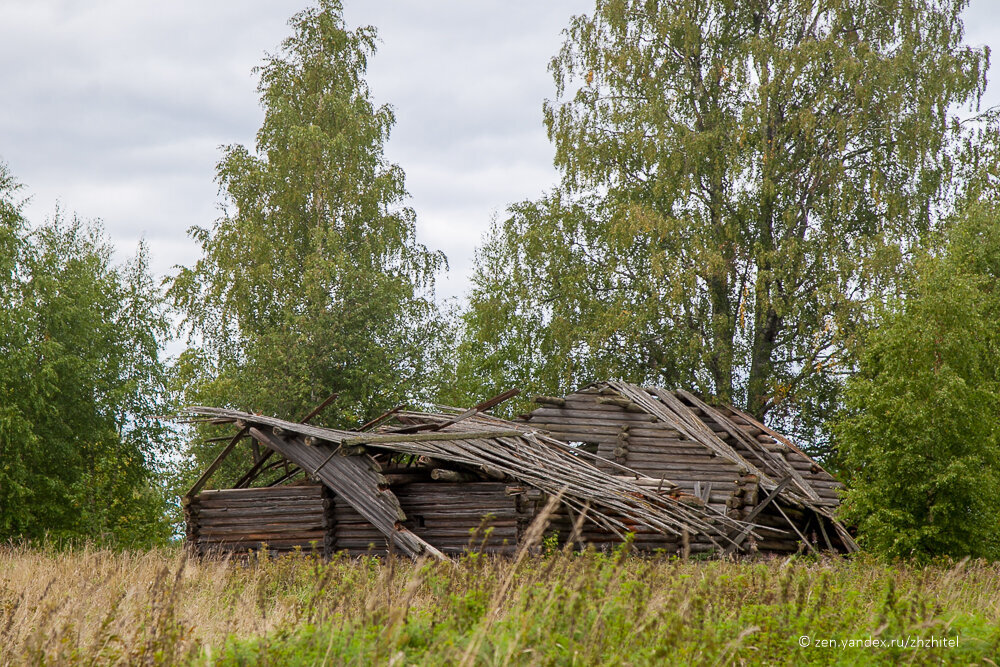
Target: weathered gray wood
column 445, row 475
column 257, row 492
column 550, row 400
column 526, row 456
column 798, row 532
column 254, row 470
column 375, row 440
column 568, row 415
column 776, row 463
column 738, row 539
column 355, row 480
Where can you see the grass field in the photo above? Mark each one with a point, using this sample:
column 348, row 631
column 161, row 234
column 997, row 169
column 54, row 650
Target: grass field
column 92, row 606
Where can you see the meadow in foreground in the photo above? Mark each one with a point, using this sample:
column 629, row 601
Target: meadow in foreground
column 90, row 606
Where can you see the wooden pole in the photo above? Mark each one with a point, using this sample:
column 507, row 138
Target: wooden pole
column 319, row 408
column 798, row 532
column 427, row 437
column 471, row 412
column 193, row 491
column 382, row 417
column 738, row 540
column 252, row 474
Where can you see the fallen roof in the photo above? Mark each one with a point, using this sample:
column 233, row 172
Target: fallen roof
column 343, row 461
column 687, row 414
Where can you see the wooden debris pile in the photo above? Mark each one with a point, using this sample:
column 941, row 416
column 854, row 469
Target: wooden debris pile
column 423, row 482
column 715, row 452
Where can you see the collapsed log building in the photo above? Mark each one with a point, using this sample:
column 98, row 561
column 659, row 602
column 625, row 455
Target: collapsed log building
column 420, row 483
column 717, row 453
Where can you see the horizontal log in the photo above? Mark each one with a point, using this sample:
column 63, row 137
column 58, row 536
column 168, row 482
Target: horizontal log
column 720, row 490
column 262, row 532
column 261, row 525
column 684, row 477
column 465, row 522
column 259, row 538
column 718, row 466
column 265, row 512
column 472, row 488
column 455, row 501
column 356, row 533
column 550, row 400
column 217, row 516
column 825, row 484
column 585, row 431
column 623, row 403
column 432, row 535
column 289, row 545
column 445, row 475
column 395, row 480
column 260, row 500
column 256, row 492
column 302, row 504
column 588, row 417
column 691, row 471
column 579, row 432
column 589, row 403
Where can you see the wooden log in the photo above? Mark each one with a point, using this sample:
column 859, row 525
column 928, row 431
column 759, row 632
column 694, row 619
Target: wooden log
column 243, row 519
column 259, row 513
column 623, row 403
column 318, row 409
column 445, row 475
column 587, row 406
column 588, row 417
column 253, row 544
column 304, row 532
column 578, row 432
column 493, row 473
column 246, row 536
column 243, row 506
column 197, row 486
column 375, row 440
column 550, row 400
column 397, row 479
column 738, row 539
column 256, row 492
column 355, row 479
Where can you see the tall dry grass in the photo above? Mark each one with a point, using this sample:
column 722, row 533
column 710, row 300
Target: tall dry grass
column 92, row 606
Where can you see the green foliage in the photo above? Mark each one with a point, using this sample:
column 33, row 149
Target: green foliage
column 312, row 281
column 80, row 384
column 920, row 436
column 579, row 608
column 738, row 179
column 594, row 609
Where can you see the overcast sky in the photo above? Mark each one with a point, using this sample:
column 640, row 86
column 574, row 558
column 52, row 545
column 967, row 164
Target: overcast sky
column 117, row 108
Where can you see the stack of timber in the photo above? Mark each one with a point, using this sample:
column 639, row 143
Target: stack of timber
column 440, row 483
column 454, row 517
column 282, row 518
column 713, row 452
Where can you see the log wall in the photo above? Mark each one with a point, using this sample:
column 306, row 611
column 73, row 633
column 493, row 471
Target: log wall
column 622, row 433
column 454, row 517
column 285, row 518
column 636, row 440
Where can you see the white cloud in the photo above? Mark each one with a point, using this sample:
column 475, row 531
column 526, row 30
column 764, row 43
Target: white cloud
column 117, row 108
